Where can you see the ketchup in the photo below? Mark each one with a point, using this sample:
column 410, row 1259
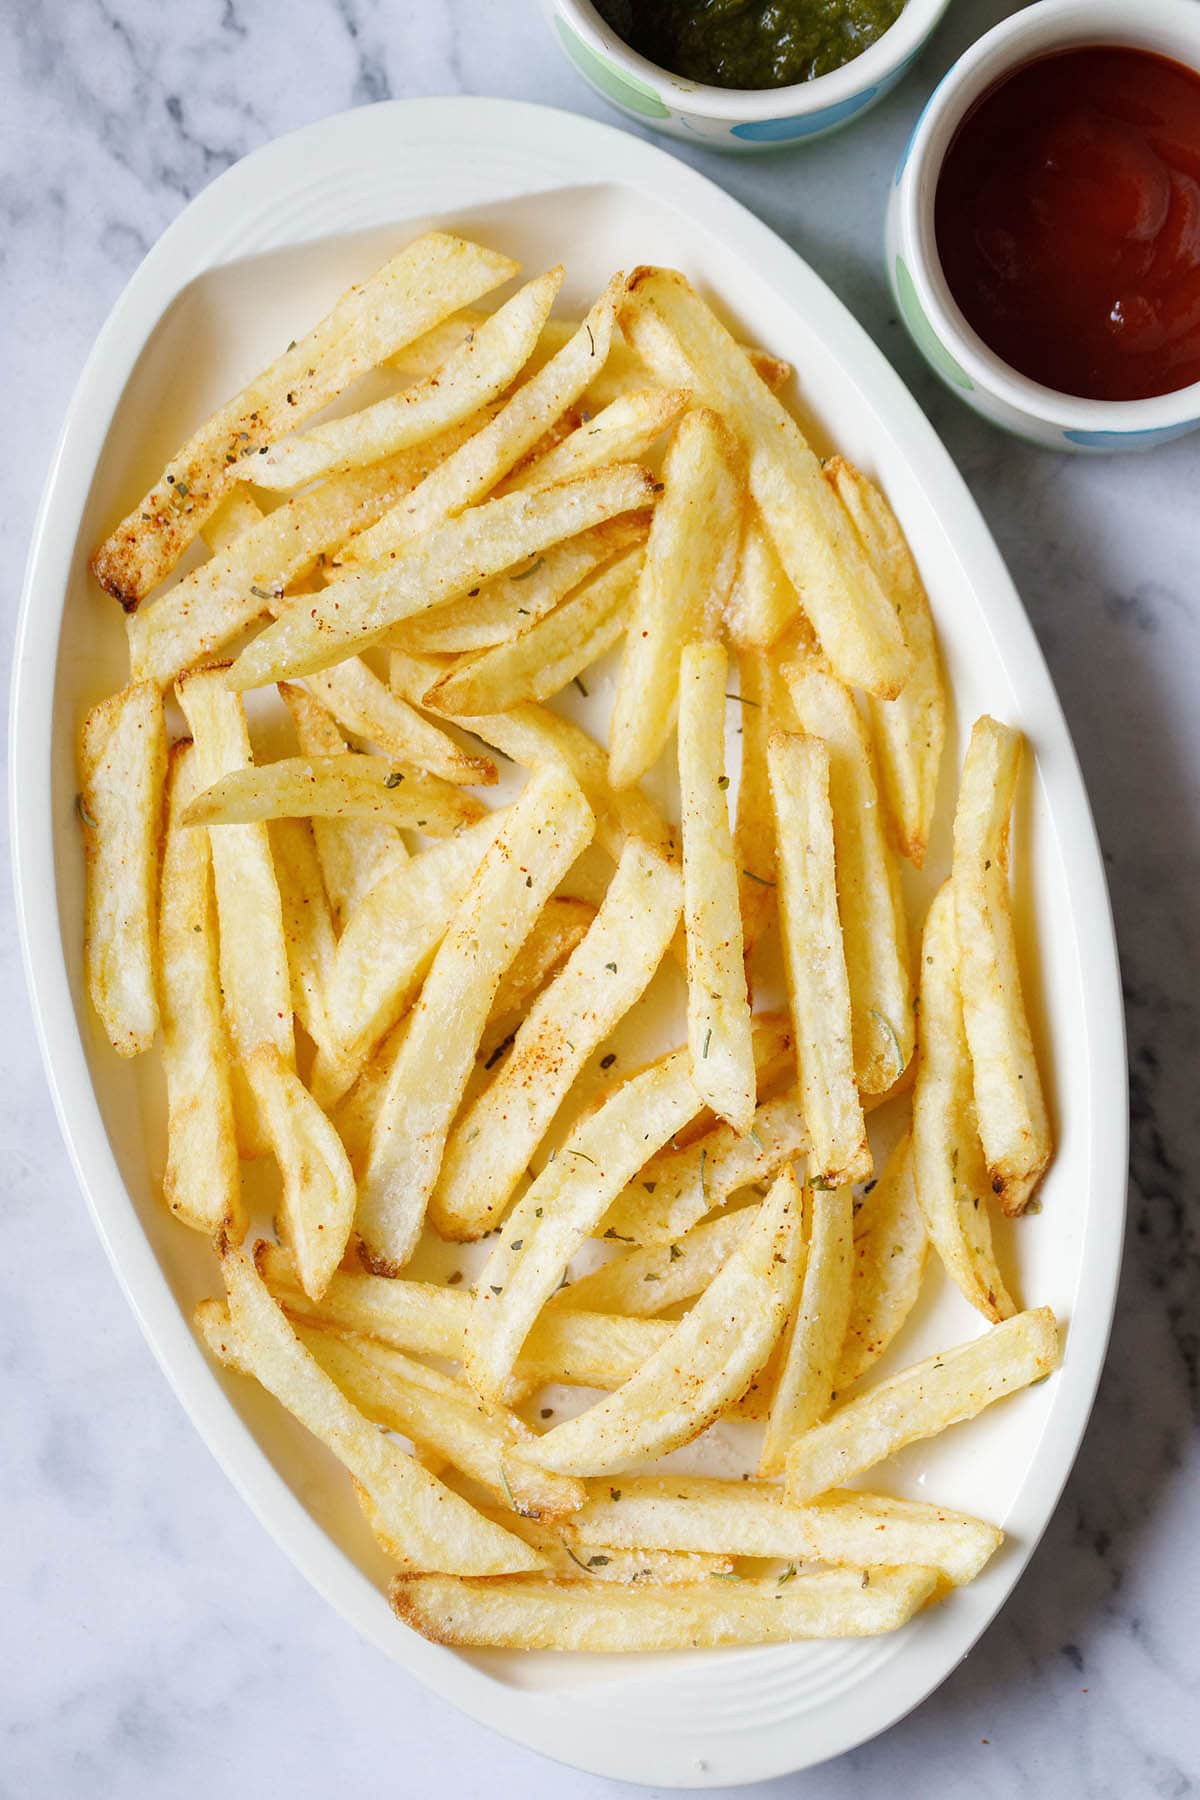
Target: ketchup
column 1067, row 216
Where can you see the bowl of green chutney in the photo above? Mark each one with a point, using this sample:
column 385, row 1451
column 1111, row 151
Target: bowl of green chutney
column 743, row 74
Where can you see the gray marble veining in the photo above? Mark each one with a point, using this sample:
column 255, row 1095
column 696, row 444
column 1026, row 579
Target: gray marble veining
column 152, row 1641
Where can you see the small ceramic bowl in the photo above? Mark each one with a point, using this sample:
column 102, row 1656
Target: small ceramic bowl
column 929, row 310
column 737, row 118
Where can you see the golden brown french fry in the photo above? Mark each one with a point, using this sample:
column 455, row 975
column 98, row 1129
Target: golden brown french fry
column 536, row 738
column 1009, row 1103
column 952, row 1181
column 679, row 1186
column 762, row 603
column 428, row 1524
column 623, row 432
column 528, row 1613
column 910, row 730
column 646, row 1281
column 389, row 939
column 921, row 1401
column 512, row 603
column 352, row 852
column 804, row 1390
column 307, row 925
column 357, row 611
column 122, row 772
column 410, row 294
column 718, row 999
column 542, row 834
column 255, row 982
column 477, row 371
column 234, row 515
column 336, row 787
column 201, row 1184
column 475, row 469
column 555, row 1214
column 600, row 1564
column 890, row 1244
column 317, row 1202
column 685, row 579
column 668, row 323
column 815, row 959
column 874, row 929
column 553, row 653
column 367, row 707
column 698, row 1513
column 440, row 1413
column 492, row 1144
column 561, row 927
column 765, row 708
column 711, row 1356
column 583, row 1349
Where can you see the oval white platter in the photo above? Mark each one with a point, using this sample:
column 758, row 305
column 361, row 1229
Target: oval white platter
column 254, row 259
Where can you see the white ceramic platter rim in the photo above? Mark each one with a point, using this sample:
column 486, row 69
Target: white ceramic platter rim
column 469, row 152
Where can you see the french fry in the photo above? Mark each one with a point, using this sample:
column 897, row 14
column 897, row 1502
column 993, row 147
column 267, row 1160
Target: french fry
column 679, row 1186
column 557, row 1212
column 439, row 1413
column 890, row 1245
column 551, row 654
column 542, row 834
column 336, row 787
column 510, row 604
column 762, row 603
column 874, row 930
column 204, row 612
column 816, row 543
column 122, row 772
column 909, row 731
column 646, row 1281
column 307, row 925
column 700, row 1513
column 685, row 579
column 234, row 515
column 352, row 852
column 813, row 1343
column 255, row 982
column 623, row 432
column 357, row 611
column 583, row 1349
column 477, row 371
column 409, row 295
column 492, row 1144
column 600, row 1564
column 718, row 999
column 367, row 707
column 560, row 928
column 531, row 1614
column 952, row 1182
column 815, row 959
column 475, row 469
column 389, row 939
column 430, row 1526
column 765, row 708
column 712, row 1355
column 317, row 1204
column 922, row 1401
column 1009, row 1103
column 201, row 1184
column 536, row 738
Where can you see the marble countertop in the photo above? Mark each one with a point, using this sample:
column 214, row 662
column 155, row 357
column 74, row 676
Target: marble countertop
column 153, row 1641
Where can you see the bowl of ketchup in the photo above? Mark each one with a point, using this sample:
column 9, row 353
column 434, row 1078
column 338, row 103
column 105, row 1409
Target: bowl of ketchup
column 1044, row 228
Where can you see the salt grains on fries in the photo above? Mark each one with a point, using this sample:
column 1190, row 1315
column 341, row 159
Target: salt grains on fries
column 477, row 991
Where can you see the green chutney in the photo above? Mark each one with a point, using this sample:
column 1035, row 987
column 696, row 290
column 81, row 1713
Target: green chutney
column 749, row 43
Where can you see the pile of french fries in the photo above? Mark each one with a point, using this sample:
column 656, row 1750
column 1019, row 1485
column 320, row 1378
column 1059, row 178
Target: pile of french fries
column 404, row 1002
